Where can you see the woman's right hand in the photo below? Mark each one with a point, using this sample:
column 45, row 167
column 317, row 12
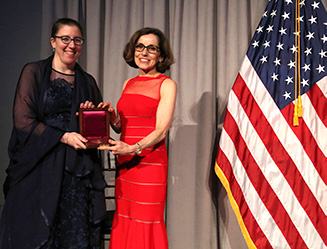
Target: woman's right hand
column 114, row 119
column 74, row 139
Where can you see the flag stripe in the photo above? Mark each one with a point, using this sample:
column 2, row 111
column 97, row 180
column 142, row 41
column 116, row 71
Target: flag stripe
column 317, row 106
column 276, row 171
column 303, row 191
column 236, row 197
column 285, row 134
column 307, row 139
column 244, row 183
column 287, row 167
column 263, row 157
column 254, row 174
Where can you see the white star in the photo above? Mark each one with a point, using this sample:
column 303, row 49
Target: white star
column 263, row 59
column 297, row 33
column 260, row 29
column 322, row 53
column 274, row 77
column 280, row 46
column 270, row 28
column 287, row 95
column 315, row 5
column 302, row 3
column 308, row 51
column 289, row 80
column 293, row 49
column 310, row 35
column 304, row 82
column 265, row 14
column 288, row 1
column 282, row 31
column 273, row 13
column 300, row 18
column 277, row 62
column 306, row 67
column 320, row 68
column 313, row 19
column 286, row 15
column 291, row 64
column 255, row 44
column 266, row 44
column 325, row 23
column 324, row 38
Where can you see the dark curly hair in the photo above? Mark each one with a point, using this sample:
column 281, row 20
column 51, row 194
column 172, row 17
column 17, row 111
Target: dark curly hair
column 64, row 21
column 165, row 50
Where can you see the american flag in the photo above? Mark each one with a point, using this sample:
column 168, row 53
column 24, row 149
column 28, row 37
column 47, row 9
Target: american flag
column 274, row 171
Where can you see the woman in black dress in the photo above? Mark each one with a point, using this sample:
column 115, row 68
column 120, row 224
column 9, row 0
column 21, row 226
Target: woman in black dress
column 54, row 186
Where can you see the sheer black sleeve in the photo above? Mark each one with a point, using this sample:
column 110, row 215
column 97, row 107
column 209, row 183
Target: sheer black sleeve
column 31, row 138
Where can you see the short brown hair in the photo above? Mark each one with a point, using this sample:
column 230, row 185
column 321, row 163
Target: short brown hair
column 165, row 50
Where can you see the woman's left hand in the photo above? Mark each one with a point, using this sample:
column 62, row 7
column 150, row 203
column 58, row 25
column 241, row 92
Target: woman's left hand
column 86, row 104
column 119, row 148
column 114, row 120
column 106, row 104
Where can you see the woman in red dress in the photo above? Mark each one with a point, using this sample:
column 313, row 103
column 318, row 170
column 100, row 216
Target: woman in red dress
column 145, row 113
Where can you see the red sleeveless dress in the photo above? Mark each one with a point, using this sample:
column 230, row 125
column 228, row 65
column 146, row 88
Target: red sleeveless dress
column 141, row 180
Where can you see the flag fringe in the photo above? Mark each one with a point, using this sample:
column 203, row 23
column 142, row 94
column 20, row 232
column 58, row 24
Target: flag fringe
column 235, row 207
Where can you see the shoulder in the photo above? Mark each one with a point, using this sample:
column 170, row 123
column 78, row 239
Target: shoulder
column 168, row 83
column 87, row 75
column 168, row 88
column 31, row 67
column 30, row 74
column 125, row 83
column 37, row 66
column 90, row 77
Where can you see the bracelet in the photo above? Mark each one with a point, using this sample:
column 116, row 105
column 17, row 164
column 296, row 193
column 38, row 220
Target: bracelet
column 117, row 122
column 67, row 134
column 139, row 150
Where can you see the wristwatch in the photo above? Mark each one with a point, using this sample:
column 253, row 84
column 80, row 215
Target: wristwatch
column 138, row 152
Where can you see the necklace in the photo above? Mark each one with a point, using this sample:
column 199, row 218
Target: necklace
column 62, row 73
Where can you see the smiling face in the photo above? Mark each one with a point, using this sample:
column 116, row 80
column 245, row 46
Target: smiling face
column 146, row 61
column 65, row 55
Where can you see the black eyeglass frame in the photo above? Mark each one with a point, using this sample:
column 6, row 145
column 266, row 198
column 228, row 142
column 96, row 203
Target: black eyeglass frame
column 147, row 48
column 71, row 39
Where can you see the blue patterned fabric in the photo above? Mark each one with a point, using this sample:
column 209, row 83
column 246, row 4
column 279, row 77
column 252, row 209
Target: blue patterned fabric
column 72, row 228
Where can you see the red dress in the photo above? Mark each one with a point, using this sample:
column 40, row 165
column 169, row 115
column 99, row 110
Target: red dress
column 141, row 180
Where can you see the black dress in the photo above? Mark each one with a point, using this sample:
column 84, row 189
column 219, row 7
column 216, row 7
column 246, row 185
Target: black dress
column 53, row 193
column 71, row 229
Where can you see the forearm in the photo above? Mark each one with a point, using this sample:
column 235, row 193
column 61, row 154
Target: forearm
column 116, row 124
column 152, row 139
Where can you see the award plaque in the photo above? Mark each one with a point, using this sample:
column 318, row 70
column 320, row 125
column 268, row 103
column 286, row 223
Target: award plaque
column 94, row 125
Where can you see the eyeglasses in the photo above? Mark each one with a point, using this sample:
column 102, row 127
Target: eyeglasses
column 152, row 49
column 66, row 39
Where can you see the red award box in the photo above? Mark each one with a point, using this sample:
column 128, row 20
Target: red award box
column 94, row 125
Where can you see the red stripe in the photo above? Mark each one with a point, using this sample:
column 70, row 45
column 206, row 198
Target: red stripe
column 308, row 142
column 315, row 213
column 266, row 193
column 280, row 156
column 316, row 155
column 255, row 232
column 318, row 101
column 283, row 161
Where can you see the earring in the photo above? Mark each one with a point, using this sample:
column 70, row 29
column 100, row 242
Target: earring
column 53, row 50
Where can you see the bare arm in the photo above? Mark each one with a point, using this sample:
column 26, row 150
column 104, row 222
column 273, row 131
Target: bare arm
column 164, row 118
